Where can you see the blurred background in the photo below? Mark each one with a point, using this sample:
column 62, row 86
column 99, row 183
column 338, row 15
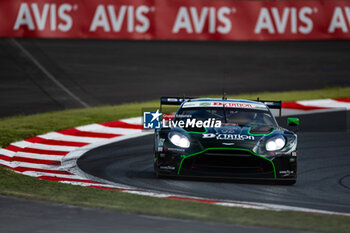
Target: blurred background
column 182, row 50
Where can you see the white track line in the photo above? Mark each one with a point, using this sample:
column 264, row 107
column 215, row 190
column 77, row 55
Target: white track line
column 15, row 164
column 97, row 128
column 87, row 184
column 52, row 147
column 56, row 158
column 6, row 163
column 48, row 74
column 36, row 174
column 133, row 120
column 21, row 144
column 149, row 194
column 69, row 138
column 8, row 153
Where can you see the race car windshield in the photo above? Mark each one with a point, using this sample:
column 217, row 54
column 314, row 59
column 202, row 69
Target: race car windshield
column 240, row 116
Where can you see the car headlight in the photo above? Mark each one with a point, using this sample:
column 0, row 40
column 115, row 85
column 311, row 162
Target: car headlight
column 275, row 143
column 179, row 139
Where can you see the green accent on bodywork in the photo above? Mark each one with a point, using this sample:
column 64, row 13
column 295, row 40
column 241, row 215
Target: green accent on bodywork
column 206, row 131
column 224, row 148
column 293, row 121
column 259, row 134
column 155, row 159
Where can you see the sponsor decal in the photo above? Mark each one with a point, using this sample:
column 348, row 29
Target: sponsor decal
column 167, row 168
column 176, row 19
column 224, row 104
column 189, row 104
column 175, row 100
column 176, row 149
column 228, row 143
column 287, row 20
column 52, row 16
column 208, row 135
column 161, row 141
column 218, row 18
column 233, row 105
column 129, row 17
column 238, row 137
column 286, row 173
column 227, row 130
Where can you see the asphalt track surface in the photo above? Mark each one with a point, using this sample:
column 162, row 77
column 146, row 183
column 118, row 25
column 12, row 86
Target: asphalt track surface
column 111, row 72
column 42, row 217
column 323, row 169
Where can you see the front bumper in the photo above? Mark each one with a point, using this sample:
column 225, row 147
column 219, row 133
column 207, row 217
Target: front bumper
column 227, row 162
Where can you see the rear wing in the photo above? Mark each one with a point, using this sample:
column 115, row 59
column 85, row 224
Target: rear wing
column 272, row 104
column 168, row 100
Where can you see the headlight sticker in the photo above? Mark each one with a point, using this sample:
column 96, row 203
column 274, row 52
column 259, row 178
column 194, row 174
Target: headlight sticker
column 178, row 139
column 275, row 143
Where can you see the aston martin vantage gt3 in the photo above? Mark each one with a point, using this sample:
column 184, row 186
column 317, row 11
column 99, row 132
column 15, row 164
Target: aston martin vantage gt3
column 225, row 138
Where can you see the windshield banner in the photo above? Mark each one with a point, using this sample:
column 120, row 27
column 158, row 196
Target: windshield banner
column 176, row 19
column 221, row 104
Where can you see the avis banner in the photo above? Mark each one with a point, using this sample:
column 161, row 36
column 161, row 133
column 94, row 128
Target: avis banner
column 176, row 19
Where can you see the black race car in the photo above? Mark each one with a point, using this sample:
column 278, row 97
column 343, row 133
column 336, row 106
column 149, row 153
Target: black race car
column 234, row 138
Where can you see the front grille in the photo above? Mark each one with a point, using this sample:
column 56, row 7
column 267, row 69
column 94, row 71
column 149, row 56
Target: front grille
column 233, row 162
column 226, row 159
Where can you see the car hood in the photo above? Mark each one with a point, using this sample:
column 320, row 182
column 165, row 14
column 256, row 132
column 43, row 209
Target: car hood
column 233, row 136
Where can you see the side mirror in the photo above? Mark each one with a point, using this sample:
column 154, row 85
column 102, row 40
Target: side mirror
column 293, row 121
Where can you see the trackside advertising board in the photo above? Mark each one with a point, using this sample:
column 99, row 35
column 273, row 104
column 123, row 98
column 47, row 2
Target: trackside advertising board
column 176, row 19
